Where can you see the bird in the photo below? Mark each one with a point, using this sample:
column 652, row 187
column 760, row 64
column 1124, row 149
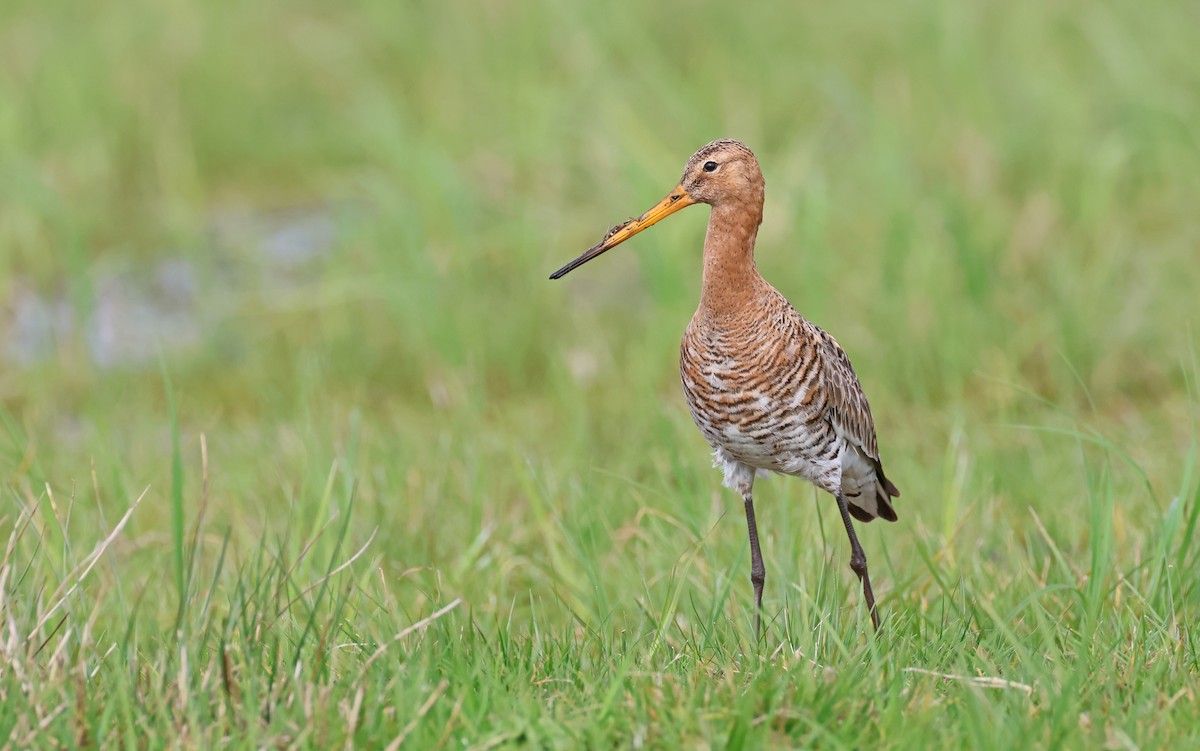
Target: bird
column 770, row 391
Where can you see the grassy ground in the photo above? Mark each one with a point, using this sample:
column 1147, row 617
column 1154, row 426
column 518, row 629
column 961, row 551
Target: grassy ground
column 401, row 489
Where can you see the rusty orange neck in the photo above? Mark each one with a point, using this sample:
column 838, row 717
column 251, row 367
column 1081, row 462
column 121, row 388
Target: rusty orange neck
column 731, row 281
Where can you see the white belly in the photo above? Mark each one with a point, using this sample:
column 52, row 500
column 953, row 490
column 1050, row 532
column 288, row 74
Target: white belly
column 732, row 444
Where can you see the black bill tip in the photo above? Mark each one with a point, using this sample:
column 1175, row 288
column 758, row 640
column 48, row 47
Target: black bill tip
column 589, row 255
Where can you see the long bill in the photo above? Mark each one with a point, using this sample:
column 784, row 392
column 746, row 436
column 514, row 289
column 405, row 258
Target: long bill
column 675, row 200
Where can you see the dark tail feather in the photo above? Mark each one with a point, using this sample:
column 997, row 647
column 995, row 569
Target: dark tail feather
column 885, row 508
column 889, row 491
column 857, row 513
column 885, row 491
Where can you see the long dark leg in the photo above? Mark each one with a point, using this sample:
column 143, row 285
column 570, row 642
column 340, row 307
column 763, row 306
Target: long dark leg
column 758, row 572
column 858, row 561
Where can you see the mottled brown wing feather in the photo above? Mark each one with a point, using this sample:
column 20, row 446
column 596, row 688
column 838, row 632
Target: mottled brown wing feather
column 849, row 411
column 851, row 415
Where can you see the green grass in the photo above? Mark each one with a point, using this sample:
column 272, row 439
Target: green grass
column 411, row 492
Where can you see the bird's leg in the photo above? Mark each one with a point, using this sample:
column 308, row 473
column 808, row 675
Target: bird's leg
column 858, row 561
column 758, row 572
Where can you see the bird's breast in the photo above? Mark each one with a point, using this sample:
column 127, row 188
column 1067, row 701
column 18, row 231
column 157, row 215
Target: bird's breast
column 751, row 388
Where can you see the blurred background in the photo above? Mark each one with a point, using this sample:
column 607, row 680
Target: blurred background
column 328, row 227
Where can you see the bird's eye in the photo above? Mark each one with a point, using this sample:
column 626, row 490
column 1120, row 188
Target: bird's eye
column 710, row 166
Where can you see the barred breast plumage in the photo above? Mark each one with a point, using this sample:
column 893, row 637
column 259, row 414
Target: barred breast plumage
column 768, row 389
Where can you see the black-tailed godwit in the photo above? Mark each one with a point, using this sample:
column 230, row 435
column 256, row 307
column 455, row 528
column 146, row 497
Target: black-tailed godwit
column 768, row 389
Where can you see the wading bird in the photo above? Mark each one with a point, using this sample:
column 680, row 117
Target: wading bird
column 768, row 389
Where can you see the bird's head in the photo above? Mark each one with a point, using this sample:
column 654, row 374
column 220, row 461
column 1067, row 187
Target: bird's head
column 723, row 172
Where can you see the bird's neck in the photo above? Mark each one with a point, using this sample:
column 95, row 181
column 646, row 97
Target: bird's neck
column 731, row 281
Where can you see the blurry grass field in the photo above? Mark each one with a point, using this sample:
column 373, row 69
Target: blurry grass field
column 398, row 488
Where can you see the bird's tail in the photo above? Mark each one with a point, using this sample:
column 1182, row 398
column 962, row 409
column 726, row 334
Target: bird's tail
column 875, row 502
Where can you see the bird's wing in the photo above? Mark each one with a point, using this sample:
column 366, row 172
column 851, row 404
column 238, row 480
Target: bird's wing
column 850, row 415
column 849, row 412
